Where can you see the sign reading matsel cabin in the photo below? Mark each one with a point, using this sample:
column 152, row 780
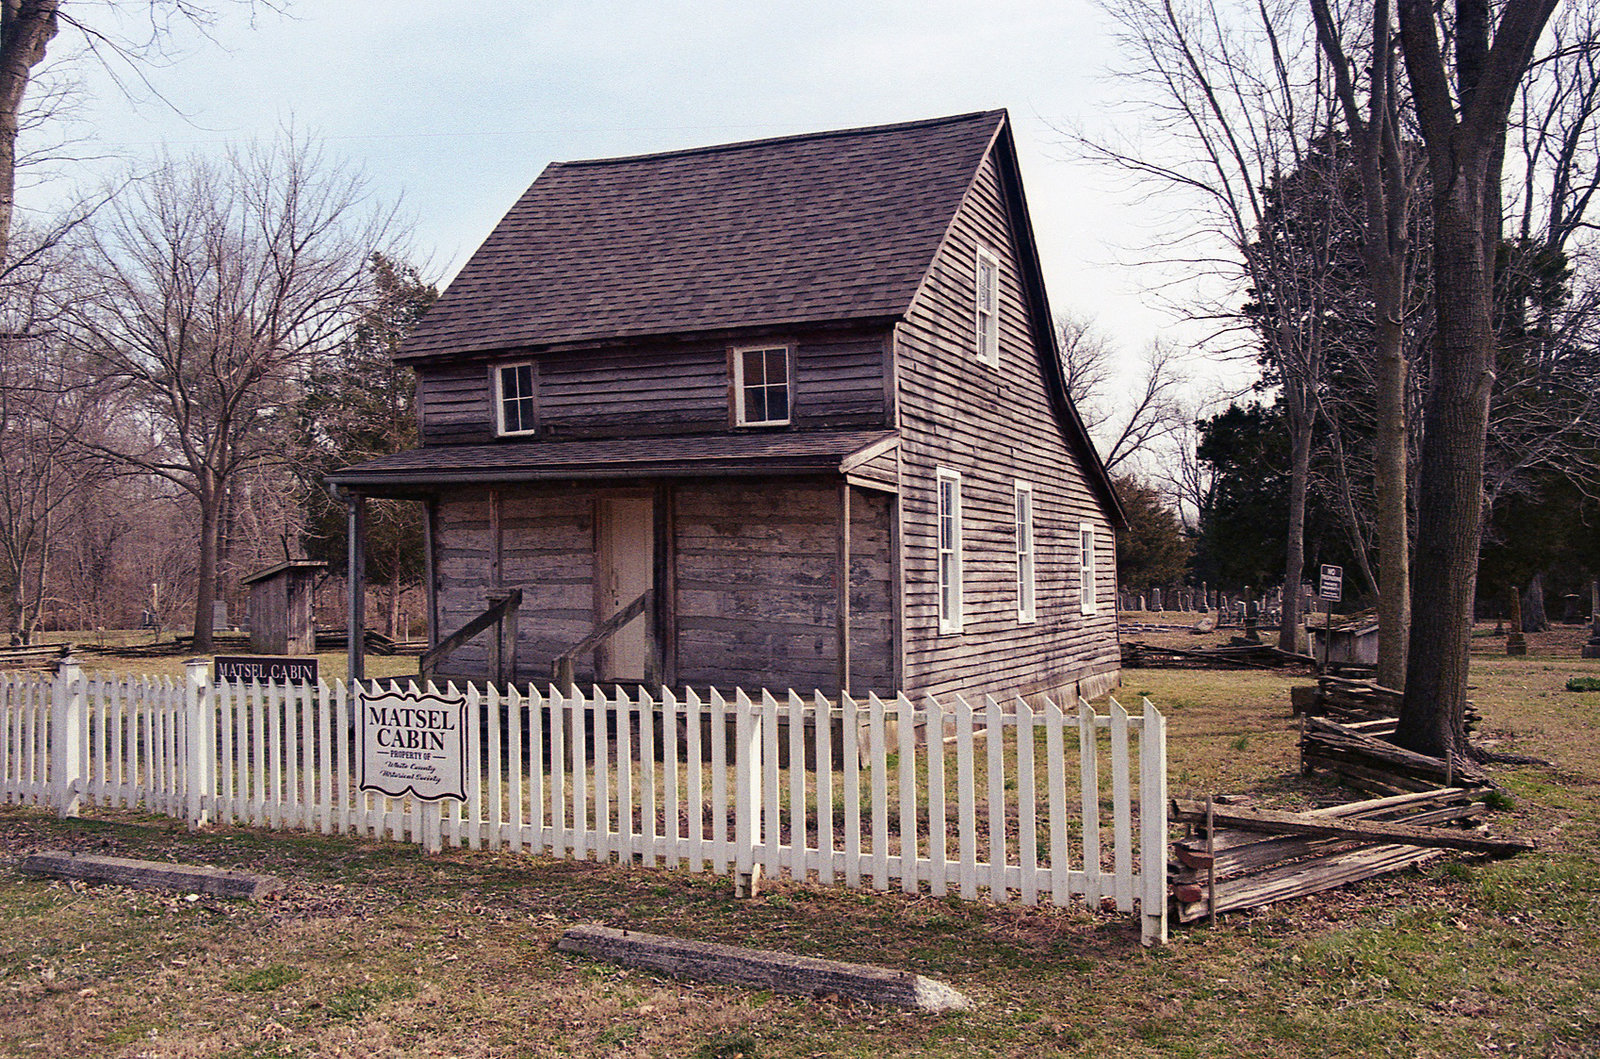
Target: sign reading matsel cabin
column 268, row 669
column 413, row 744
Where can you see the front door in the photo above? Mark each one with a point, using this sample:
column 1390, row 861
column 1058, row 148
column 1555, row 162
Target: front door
column 624, row 565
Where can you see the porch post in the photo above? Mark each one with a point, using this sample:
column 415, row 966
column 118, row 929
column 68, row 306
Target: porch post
column 356, row 622
column 842, row 587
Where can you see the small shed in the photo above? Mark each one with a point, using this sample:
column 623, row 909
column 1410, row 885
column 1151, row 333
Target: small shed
column 1353, row 643
column 280, row 607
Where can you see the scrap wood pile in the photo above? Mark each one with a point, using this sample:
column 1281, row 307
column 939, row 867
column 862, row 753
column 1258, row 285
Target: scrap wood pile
column 1345, row 701
column 1137, row 654
column 1346, row 728
column 1246, row 857
column 30, row 657
column 377, row 643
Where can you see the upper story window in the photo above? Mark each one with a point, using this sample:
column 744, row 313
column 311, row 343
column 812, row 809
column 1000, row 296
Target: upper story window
column 1025, row 579
column 949, row 539
column 761, row 386
column 1086, row 600
column 516, row 401
column 988, row 308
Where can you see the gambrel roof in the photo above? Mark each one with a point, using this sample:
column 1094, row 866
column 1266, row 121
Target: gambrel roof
column 827, row 227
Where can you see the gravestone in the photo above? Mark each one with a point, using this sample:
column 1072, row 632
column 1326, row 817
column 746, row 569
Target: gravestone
column 1592, row 648
column 1205, row 599
column 1516, row 643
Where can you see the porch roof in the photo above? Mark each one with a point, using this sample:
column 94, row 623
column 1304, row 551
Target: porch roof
column 704, row 455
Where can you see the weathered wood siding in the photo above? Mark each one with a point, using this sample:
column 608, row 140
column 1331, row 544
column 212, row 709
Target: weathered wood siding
column 756, row 603
column 657, row 388
column 454, row 405
column 754, row 581
column 994, row 426
column 546, row 549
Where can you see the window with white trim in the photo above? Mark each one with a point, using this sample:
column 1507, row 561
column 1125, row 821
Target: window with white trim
column 761, row 386
column 987, row 311
column 1086, row 587
column 1025, row 580
column 516, row 406
column 949, row 540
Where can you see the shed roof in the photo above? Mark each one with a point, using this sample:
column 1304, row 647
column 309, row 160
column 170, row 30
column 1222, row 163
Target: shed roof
column 802, row 229
column 712, row 455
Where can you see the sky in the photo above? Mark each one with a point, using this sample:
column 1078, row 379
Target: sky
column 454, row 108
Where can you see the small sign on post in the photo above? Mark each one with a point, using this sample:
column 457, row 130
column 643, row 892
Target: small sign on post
column 1331, row 584
column 415, row 744
column 1330, row 589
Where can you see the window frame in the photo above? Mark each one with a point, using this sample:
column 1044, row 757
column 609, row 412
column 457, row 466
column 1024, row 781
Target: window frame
column 1087, row 603
column 497, row 371
column 948, row 579
column 1027, row 568
column 737, row 384
column 986, row 339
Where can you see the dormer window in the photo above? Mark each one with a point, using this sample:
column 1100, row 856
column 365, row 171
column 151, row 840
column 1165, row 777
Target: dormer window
column 516, row 400
column 761, row 386
column 987, row 311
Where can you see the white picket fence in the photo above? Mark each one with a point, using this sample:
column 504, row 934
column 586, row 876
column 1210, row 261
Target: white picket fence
column 994, row 800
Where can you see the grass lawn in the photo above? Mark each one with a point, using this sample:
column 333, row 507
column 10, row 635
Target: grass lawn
column 376, row 949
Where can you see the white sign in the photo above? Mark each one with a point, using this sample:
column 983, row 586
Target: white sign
column 1331, row 586
column 414, row 744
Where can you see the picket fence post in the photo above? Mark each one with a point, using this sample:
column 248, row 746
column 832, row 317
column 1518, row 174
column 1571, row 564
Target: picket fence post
column 200, row 743
column 67, row 776
column 747, row 796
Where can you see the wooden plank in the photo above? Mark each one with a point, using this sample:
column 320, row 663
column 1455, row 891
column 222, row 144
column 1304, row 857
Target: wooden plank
column 1280, row 822
column 762, row 969
column 152, row 875
column 842, row 590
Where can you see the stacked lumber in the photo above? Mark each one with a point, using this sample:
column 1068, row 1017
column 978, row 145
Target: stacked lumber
column 377, row 643
column 1139, row 655
column 32, row 657
column 1347, row 700
column 1360, row 755
column 1252, row 857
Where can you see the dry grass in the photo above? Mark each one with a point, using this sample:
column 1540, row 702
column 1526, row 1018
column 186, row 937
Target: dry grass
column 378, row 950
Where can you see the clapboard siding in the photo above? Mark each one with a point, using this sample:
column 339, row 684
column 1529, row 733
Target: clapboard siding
column 995, row 427
column 658, row 388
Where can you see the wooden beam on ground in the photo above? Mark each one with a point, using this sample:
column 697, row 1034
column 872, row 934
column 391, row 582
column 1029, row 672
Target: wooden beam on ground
column 153, row 875
column 1275, row 821
column 763, row 969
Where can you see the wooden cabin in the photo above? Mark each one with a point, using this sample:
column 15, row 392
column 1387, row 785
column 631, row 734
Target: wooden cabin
column 786, row 413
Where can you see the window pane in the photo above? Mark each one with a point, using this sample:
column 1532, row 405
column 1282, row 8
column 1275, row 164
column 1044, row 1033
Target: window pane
column 778, row 366
column 777, row 403
column 755, row 404
column 754, row 367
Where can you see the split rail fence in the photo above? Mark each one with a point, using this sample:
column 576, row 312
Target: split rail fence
column 997, row 799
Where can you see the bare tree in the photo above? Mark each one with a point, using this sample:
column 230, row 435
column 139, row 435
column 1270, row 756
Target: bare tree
column 1239, row 95
column 1464, row 70
column 214, row 285
column 1389, row 173
column 1129, row 419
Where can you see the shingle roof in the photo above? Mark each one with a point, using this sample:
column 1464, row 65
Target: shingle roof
column 801, row 229
column 713, row 455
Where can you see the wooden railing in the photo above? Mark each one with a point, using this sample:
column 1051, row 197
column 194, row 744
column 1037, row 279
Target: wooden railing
column 502, row 614
column 562, row 670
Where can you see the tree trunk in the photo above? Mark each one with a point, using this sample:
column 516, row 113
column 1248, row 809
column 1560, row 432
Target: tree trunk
column 1300, row 423
column 26, row 27
column 206, row 575
column 1450, row 498
column 1393, row 476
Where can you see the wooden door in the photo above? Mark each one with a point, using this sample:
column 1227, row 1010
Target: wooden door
column 625, row 564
